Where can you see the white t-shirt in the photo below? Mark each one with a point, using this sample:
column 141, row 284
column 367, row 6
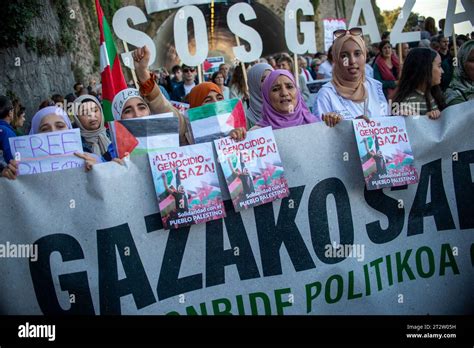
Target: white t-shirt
column 325, row 69
column 328, row 100
column 369, row 71
column 188, row 88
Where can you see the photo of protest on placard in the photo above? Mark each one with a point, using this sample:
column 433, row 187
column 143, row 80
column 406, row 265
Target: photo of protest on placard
column 385, row 152
column 253, row 169
column 186, row 185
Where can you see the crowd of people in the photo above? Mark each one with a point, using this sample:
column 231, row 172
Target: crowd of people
column 363, row 82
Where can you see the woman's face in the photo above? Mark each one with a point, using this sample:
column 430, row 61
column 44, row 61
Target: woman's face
column 21, row 120
column 219, row 80
column 387, row 51
column 437, row 71
column 405, row 50
column 52, row 123
column 469, row 66
column 283, row 95
column 353, row 61
column 135, row 108
column 90, row 116
column 264, row 75
column 213, row 97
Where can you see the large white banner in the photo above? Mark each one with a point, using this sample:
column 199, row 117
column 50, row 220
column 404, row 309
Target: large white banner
column 100, row 247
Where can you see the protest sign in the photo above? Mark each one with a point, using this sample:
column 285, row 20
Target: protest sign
column 331, row 247
column 211, row 65
column 252, row 169
column 330, row 25
column 47, row 152
column 216, row 120
column 181, row 107
column 295, row 29
column 385, row 152
column 186, row 185
column 148, row 133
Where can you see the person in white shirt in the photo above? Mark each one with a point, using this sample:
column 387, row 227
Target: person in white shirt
column 303, row 69
column 325, row 69
column 350, row 94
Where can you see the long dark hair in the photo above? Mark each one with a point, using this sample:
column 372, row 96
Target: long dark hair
column 417, row 71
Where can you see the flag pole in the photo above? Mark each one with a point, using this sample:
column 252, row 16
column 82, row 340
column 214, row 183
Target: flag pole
column 297, row 75
column 242, row 65
column 200, row 77
column 400, row 57
column 134, row 75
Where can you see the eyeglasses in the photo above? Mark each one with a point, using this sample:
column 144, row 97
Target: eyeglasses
column 185, row 70
column 343, row 32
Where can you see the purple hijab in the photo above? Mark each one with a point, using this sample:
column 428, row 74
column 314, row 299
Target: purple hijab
column 36, row 121
column 270, row 117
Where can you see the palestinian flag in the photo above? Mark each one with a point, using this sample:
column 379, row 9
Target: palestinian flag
column 124, row 141
column 214, row 121
column 110, row 69
column 207, row 65
column 145, row 134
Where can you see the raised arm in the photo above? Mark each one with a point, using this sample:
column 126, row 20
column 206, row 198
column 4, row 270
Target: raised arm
column 151, row 92
column 165, row 182
column 231, row 166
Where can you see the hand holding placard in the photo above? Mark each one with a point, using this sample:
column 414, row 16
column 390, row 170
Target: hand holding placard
column 47, row 152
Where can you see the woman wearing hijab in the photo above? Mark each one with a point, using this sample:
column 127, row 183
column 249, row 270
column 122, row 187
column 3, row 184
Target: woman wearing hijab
column 283, row 105
column 204, row 93
column 88, row 116
column 461, row 88
column 53, row 119
column 350, row 94
column 256, row 77
column 208, row 93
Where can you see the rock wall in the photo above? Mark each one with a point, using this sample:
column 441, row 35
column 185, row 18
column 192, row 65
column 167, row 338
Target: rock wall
column 32, row 76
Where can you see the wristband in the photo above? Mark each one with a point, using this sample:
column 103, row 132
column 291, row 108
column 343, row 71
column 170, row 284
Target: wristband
column 147, row 87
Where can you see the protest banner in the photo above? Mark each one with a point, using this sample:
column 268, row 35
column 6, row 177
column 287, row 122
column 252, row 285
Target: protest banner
column 385, row 152
column 397, row 251
column 216, row 120
column 330, row 25
column 252, row 169
column 186, row 185
column 148, row 133
column 47, row 152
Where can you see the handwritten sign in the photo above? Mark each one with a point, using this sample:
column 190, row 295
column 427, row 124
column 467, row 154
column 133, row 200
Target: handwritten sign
column 47, row 152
